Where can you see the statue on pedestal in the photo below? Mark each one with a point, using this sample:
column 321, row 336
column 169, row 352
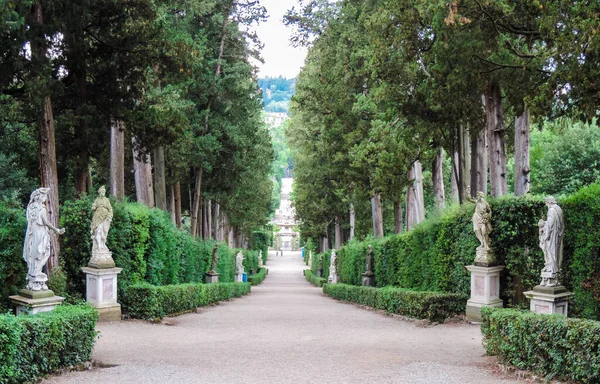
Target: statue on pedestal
column 332, row 268
column 551, row 233
column 214, row 261
column 482, row 225
column 36, row 248
column 260, row 259
column 239, row 263
column 369, row 264
column 103, row 215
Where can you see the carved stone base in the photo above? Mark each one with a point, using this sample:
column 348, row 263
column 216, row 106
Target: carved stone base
column 101, row 260
column 239, row 277
column 211, row 278
column 368, row 280
column 101, row 291
column 333, row 279
column 485, row 258
column 485, row 290
column 549, row 300
column 31, row 302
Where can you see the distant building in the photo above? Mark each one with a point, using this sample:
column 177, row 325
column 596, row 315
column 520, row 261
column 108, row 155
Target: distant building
column 275, row 119
column 285, row 219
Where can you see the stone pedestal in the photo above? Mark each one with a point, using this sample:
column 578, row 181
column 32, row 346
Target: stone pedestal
column 101, row 292
column 31, row 302
column 239, row 277
column 368, row 280
column 485, row 290
column 101, row 260
column 212, row 278
column 549, row 300
column 334, row 279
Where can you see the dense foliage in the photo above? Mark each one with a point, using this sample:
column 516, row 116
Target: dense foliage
column 258, row 277
column 13, row 269
column 553, row 346
column 435, row 306
column 33, row 346
column 146, row 301
column 432, row 257
column 314, row 279
column 277, row 93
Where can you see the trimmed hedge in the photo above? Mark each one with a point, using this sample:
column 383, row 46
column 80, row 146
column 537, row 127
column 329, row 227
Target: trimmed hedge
column 314, row 279
column 434, row 306
column 258, row 278
column 150, row 302
column 13, row 269
column 432, row 256
column 551, row 345
column 32, row 346
column 326, row 261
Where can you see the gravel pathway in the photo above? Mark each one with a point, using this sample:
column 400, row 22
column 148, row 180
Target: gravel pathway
column 286, row 331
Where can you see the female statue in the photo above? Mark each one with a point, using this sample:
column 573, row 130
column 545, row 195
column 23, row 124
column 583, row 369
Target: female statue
column 482, row 220
column 551, row 242
column 215, row 260
column 239, row 263
column 36, row 249
column 101, row 220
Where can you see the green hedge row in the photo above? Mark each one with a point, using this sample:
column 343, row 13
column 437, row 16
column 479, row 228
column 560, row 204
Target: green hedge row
column 143, row 241
column 434, row 306
column 32, row 346
column 150, row 302
column 432, row 256
column 258, row 278
column 550, row 345
column 314, row 279
column 326, row 261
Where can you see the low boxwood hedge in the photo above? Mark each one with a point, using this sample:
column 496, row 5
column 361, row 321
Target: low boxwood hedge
column 32, row 346
column 550, row 345
column 435, row 306
column 259, row 277
column 150, row 302
column 314, row 279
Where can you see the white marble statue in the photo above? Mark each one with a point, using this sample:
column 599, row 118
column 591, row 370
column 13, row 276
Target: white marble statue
column 332, row 268
column 101, row 220
column 260, row 259
column 36, row 248
column 551, row 233
column 239, row 263
column 482, row 219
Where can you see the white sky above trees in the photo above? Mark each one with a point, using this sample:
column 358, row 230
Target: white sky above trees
column 280, row 57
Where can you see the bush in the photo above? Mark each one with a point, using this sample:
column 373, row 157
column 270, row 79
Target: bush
column 551, row 345
column 32, row 346
column 434, row 306
column 13, row 270
column 326, row 261
column 314, row 279
column 258, row 278
column 150, row 302
column 432, row 256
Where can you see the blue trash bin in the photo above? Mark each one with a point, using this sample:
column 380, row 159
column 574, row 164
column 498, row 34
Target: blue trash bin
column 302, row 252
column 245, row 277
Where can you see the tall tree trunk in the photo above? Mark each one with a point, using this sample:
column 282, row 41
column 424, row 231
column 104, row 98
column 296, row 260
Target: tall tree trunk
column 495, row 131
column 209, row 219
column 377, row 215
column 437, row 176
column 454, row 177
column 217, row 215
column 465, row 161
column 172, row 204
column 82, row 164
column 230, row 238
column 338, row 233
column 142, row 169
column 352, row 221
column 117, row 159
column 415, row 203
column 479, row 163
column 196, row 203
column 205, row 220
column 177, row 195
column 47, row 148
column 522, row 170
column 160, row 185
column 397, row 217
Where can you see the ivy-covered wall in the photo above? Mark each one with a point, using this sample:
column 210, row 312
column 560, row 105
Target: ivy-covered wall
column 434, row 254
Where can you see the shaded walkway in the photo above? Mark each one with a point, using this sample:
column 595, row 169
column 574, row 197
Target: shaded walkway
column 286, row 331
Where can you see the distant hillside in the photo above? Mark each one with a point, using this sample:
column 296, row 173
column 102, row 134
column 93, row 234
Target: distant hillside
column 277, row 93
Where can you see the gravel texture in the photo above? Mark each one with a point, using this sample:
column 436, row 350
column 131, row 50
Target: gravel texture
column 287, row 331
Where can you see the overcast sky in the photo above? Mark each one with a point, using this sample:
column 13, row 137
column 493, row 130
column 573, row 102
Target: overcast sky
column 280, row 58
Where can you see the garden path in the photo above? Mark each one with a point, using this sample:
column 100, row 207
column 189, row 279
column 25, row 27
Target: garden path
column 287, row 331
